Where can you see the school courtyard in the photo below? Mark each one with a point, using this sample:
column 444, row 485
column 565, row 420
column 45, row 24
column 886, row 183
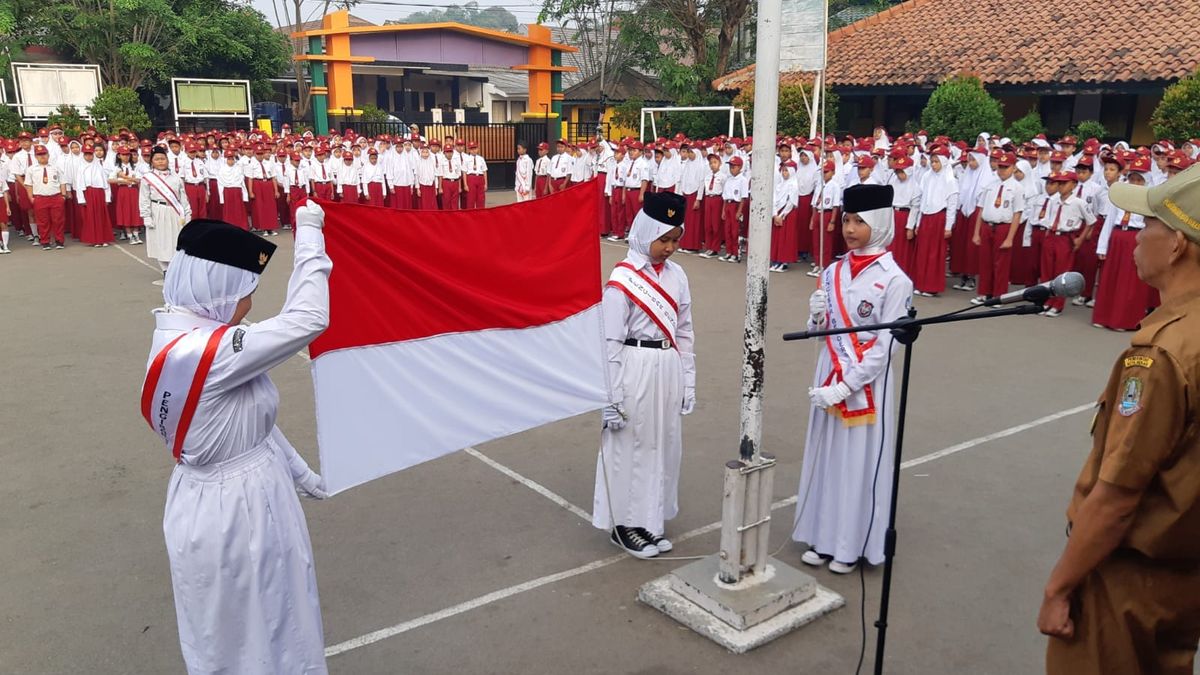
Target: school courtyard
column 484, row 561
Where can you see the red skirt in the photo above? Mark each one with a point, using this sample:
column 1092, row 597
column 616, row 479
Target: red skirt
column 215, row 208
column 401, row 197
column 616, row 206
column 427, row 198
column 1086, row 262
column 1123, row 299
column 97, row 228
column 375, row 194
column 1027, row 261
column 349, row 194
column 803, row 213
column 693, row 224
column 233, row 211
column 929, row 256
column 901, row 247
column 264, row 209
column 964, row 254
column 783, row 239
column 127, row 214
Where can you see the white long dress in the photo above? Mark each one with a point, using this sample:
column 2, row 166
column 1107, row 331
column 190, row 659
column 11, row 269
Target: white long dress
column 241, row 561
column 163, row 222
column 643, row 459
column 834, row 502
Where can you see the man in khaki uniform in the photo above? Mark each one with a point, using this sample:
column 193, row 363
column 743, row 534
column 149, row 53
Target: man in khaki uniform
column 1124, row 597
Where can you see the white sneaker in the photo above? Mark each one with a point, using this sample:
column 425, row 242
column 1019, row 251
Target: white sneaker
column 811, row 557
column 1079, row 301
column 978, row 300
column 841, row 567
column 705, row 254
column 1091, row 302
column 4, row 249
column 813, row 272
column 1052, row 312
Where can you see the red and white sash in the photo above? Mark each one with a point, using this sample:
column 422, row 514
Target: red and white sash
column 845, row 351
column 174, row 381
column 164, row 190
column 649, row 296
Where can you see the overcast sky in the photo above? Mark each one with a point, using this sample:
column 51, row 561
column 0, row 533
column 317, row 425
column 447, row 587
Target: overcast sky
column 379, row 11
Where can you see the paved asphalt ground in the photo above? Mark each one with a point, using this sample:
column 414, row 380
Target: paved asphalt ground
column 483, row 562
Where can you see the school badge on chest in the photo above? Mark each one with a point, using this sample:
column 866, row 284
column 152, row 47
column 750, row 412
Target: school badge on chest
column 1131, row 396
column 865, row 308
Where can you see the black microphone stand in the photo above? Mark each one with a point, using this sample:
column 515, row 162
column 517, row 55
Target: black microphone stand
column 906, row 332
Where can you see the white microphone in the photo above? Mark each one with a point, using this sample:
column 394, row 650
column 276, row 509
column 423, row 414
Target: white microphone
column 1065, row 285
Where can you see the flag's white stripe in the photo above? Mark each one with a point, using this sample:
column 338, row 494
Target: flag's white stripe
column 384, row 408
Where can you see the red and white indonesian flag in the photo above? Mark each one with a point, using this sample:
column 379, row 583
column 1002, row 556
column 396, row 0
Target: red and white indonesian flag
column 452, row 328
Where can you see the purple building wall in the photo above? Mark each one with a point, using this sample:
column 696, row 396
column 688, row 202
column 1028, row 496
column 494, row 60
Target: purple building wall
column 437, row 46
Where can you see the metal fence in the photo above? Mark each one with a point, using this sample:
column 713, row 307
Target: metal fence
column 578, row 132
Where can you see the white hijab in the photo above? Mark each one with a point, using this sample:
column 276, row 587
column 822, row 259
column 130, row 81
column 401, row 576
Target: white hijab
column 882, row 228
column 937, row 186
column 643, row 233
column 806, row 175
column 205, row 288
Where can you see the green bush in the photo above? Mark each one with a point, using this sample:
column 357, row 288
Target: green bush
column 961, row 109
column 119, row 107
column 68, row 117
column 1024, row 129
column 1090, row 129
column 1177, row 116
column 628, row 115
column 10, row 122
column 373, row 114
column 793, row 110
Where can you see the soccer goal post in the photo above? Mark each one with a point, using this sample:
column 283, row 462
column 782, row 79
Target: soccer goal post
column 736, row 116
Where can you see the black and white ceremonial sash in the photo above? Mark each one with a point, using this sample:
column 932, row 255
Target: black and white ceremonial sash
column 164, row 190
column 648, row 296
column 846, row 351
column 174, row 381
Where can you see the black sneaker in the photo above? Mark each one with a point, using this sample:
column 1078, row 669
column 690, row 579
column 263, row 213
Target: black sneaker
column 633, row 542
column 47, row 247
column 660, row 542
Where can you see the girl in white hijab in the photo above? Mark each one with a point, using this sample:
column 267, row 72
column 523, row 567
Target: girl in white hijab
column 240, row 556
column 647, row 308
column 783, row 219
column 842, row 510
column 939, row 203
column 964, row 255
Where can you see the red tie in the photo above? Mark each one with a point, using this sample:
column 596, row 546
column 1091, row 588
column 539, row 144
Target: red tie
column 193, row 168
column 1079, row 192
column 45, row 176
column 1125, row 219
column 323, row 176
column 176, row 165
column 999, row 196
column 262, row 168
column 1057, row 215
column 1045, row 205
column 712, row 181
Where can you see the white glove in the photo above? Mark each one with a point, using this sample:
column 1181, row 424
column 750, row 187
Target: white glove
column 310, row 215
column 615, row 417
column 818, row 305
column 827, row 397
column 689, row 400
column 311, row 485
column 148, row 222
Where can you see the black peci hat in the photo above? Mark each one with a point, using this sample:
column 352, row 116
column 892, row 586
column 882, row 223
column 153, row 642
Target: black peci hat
column 859, row 198
column 227, row 244
column 667, row 208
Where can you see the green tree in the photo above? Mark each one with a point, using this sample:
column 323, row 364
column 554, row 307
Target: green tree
column 961, row 109
column 495, row 17
column 10, row 122
column 372, row 114
column 146, row 42
column 68, row 117
column 1090, row 129
column 1177, row 116
column 628, row 114
column 1024, row 129
column 119, row 107
column 794, row 104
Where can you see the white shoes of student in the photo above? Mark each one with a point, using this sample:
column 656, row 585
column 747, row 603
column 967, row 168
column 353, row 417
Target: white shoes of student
column 978, row 300
column 1079, row 301
column 705, row 254
column 1052, row 312
column 811, row 557
column 1091, row 302
column 4, row 249
column 815, row 272
column 841, row 567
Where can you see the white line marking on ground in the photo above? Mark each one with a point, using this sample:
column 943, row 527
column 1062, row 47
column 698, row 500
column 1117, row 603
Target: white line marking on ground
column 140, row 261
column 464, row 607
column 967, row 445
column 531, row 484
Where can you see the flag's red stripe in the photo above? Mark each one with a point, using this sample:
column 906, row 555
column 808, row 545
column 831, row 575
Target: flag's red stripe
column 193, row 397
column 405, row 275
column 151, row 383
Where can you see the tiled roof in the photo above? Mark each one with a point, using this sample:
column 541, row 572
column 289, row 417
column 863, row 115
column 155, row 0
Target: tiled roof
column 629, row 84
column 919, row 43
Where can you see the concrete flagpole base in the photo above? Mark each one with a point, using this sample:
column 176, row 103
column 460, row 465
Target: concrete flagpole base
column 741, row 616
